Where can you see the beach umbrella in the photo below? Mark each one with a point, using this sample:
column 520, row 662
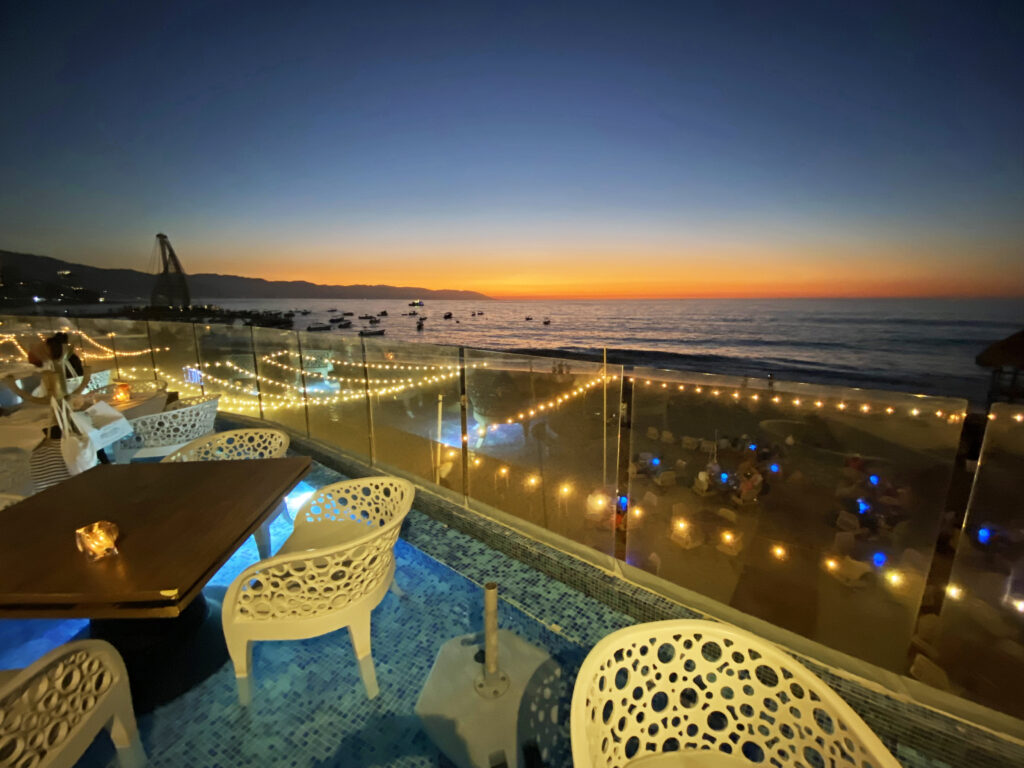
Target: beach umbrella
column 1008, row 353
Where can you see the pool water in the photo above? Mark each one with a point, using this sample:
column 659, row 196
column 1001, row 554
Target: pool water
column 309, row 707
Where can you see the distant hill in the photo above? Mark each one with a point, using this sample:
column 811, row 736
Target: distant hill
column 132, row 285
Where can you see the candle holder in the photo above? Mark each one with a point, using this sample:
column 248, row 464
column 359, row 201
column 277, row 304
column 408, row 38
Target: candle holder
column 122, row 392
column 97, row 540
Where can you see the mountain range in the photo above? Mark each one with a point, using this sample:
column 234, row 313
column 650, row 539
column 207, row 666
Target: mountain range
column 132, row 285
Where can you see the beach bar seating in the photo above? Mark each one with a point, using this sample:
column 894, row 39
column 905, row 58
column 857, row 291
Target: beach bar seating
column 51, row 711
column 331, row 573
column 160, row 434
column 649, row 692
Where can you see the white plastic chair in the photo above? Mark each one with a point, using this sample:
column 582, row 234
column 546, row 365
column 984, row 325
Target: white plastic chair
column 331, row 573
column 238, row 445
column 160, row 434
column 233, row 445
column 653, row 691
column 52, row 710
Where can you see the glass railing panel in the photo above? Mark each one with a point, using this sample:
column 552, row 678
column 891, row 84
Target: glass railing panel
column 816, row 509
column 975, row 646
column 175, row 357
column 124, row 343
column 114, row 349
column 228, row 368
column 336, row 391
column 417, row 420
column 282, row 383
column 19, row 332
column 542, row 439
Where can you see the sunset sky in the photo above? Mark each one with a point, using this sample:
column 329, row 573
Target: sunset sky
column 631, row 149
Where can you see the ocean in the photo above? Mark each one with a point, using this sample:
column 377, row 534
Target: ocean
column 925, row 346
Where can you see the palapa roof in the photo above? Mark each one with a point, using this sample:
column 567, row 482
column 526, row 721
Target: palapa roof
column 1008, row 353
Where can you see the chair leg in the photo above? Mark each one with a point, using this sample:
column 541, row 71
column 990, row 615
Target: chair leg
column 240, row 650
column 359, row 632
column 262, row 536
column 125, row 735
column 396, row 590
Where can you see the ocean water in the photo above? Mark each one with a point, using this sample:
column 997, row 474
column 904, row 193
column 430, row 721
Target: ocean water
column 924, row 346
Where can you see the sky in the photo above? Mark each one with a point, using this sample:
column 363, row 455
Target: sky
column 548, row 150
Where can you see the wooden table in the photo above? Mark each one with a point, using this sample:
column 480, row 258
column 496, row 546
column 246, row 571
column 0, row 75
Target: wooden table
column 178, row 524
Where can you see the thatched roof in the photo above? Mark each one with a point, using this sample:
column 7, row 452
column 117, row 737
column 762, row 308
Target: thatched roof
column 1008, row 353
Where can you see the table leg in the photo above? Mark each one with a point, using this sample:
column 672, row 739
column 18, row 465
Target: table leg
column 167, row 657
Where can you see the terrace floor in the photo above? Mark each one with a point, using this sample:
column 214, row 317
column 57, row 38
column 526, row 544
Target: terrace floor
column 309, row 707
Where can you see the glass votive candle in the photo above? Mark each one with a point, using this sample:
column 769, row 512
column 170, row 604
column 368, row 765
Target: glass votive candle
column 122, row 392
column 97, row 540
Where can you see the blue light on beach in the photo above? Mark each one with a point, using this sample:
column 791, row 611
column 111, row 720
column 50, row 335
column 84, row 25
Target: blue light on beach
column 655, row 462
column 862, row 507
column 623, row 503
column 774, row 467
column 873, row 479
column 878, row 559
column 752, row 446
column 724, row 477
column 984, row 534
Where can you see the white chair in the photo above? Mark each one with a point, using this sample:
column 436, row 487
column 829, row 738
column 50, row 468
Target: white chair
column 667, row 437
column 160, row 434
column 665, row 479
column 655, row 693
column 52, row 710
column 238, row 445
column 232, row 445
column 331, row 573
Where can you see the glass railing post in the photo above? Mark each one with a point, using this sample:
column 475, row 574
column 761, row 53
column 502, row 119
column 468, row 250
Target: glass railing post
column 305, row 383
column 369, row 405
column 256, row 370
column 464, row 425
column 199, row 360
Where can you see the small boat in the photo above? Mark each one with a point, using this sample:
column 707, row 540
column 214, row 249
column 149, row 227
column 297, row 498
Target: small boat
column 371, row 332
column 547, row 321
column 418, row 303
column 412, row 314
column 344, row 324
column 374, row 321
column 332, row 309
column 472, row 314
column 529, row 318
column 318, row 327
column 382, row 313
column 419, row 323
column 447, row 315
column 348, row 314
column 305, row 311
column 479, row 311
column 335, row 319
column 367, row 317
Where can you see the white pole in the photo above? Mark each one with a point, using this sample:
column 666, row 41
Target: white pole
column 440, row 445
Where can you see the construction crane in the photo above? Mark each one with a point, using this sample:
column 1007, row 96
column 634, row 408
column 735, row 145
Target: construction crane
column 170, row 288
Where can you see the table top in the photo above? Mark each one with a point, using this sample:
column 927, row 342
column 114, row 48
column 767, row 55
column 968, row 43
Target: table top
column 178, row 524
